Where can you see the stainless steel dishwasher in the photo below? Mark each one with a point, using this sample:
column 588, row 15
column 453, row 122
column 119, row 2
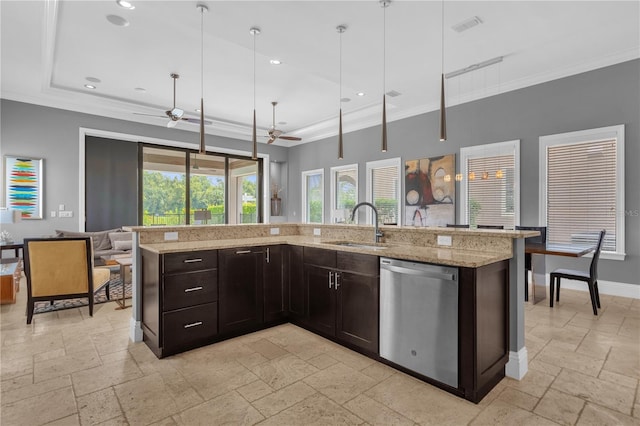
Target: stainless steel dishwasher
column 419, row 318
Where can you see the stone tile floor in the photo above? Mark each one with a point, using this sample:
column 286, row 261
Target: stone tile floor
column 68, row 368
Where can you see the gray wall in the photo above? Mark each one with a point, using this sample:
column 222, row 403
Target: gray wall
column 53, row 134
column 603, row 97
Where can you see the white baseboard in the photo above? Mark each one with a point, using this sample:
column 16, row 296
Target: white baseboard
column 611, row 288
column 135, row 330
column 518, row 364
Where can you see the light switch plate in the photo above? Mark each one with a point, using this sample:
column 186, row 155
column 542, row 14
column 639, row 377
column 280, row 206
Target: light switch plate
column 275, row 231
column 61, row 207
column 65, row 213
column 317, row 232
column 53, row 213
column 170, row 236
column 444, row 240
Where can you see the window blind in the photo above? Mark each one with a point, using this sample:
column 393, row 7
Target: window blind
column 490, row 190
column 581, row 192
column 384, row 191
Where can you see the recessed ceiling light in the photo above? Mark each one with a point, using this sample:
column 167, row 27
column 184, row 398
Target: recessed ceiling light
column 361, row 94
column 118, row 20
column 125, row 4
column 197, row 109
column 140, row 89
column 93, row 79
column 345, row 99
column 275, row 62
column 89, row 86
column 282, row 123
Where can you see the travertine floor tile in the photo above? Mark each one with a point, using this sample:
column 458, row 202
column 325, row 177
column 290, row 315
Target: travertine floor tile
column 14, row 393
column 146, row 400
column 570, row 359
column 283, row 398
column 73, row 420
column 595, row 390
column 98, row 407
column 375, row 413
column 559, row 407
column 534, row 383
column 623, row 361
column 322, row 361
column 267, row 349
column 595, row 415
column 340, row 383
column 517, row 398
column 283, row 371
column 61, row 366
column 501, row 413
column 228, row 409
column 254, row 390
column 11, row 369
column 317, row 410
column 40, row 409
column 104, row 376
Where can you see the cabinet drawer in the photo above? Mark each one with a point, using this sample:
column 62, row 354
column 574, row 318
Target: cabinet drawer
column 189, row 327
column 190, row 289
column 190, row 261
column 360, row 263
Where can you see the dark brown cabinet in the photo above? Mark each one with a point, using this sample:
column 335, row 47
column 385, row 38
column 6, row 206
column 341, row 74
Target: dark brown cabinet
column 241, row 289
column 343, row 296
column 295, row 283
column 275, row 284
column 179, row 300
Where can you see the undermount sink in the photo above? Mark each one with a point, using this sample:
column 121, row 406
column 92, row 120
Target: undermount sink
column 358, row 245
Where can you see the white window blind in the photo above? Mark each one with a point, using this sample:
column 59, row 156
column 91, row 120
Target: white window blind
column 490, row 190
column 581, row 192
column 384, row 184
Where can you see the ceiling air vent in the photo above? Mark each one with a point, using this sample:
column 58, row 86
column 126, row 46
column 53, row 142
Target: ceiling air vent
column 467, row 24
column 393, row 93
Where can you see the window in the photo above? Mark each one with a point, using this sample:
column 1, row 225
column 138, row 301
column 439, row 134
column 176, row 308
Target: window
column 313, row 196
column 582, row 188
column 181, row 187
column 490, row 185
column 344, row 192
column 383, row 190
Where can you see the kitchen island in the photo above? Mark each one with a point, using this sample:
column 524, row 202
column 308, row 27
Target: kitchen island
column 216, row 282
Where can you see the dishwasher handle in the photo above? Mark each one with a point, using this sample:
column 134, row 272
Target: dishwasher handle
column 422, row 273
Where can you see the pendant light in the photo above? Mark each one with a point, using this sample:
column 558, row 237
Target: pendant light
column 203, row 9
column 384, row 4
column 254, row 31
column 341, row 29
column 443, row 113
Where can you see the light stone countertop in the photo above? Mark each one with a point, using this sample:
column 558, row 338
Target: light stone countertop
column 439, row 255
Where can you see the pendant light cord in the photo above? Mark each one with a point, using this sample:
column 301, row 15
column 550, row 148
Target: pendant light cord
column 442, row 40
column 202, row 53
column 384, row 47
column 254, row 71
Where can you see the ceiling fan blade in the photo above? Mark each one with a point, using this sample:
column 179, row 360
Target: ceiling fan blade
column 172, row 123
column 196, row 121
column 290, row 138
column 271, row 140
column 150, row 115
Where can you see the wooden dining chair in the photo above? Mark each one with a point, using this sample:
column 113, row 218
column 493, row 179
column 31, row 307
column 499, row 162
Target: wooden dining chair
column 455, row 225
column 540, row 239
column 590, row 277
column 490, row 226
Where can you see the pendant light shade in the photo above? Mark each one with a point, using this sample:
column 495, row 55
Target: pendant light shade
column 384, row 4
column 443, row 112
column 341, row 29
column 203, row 9
column 254, row 31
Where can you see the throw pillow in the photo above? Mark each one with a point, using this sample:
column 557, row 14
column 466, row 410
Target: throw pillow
column 123, row 245
column 120, row 240
column 100, row 239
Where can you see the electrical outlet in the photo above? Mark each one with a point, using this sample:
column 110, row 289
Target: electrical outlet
column 53, row 213
column 171, row 236
column 317, row 232
column 275, row 231
column 444, row 240
column 65, row 213
column 61, row 207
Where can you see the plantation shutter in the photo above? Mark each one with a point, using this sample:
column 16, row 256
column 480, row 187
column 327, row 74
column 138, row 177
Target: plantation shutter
column 581, row 193
column 490, row 190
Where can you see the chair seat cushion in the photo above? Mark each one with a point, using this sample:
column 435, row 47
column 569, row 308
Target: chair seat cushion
column 571, row 274
column 101, row 276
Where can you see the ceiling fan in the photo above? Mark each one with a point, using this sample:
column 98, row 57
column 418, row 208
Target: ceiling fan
column 175, row 114
column 278, row 134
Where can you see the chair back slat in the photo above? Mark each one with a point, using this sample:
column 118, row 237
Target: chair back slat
column 593, row 269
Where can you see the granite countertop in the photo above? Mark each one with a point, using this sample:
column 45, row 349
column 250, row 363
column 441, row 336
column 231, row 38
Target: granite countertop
column 440, row 255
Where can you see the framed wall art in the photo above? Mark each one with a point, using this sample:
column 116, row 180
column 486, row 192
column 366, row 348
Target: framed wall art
column 430, row 191
column 23, row 181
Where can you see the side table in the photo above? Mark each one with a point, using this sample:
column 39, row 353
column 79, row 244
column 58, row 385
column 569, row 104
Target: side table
column 7, row 285
column 125, row 266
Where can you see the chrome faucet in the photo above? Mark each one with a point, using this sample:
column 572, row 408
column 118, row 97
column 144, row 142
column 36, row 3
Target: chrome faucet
column 377, row 232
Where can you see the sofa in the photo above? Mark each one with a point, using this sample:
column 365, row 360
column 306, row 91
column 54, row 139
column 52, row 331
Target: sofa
column 105, row 243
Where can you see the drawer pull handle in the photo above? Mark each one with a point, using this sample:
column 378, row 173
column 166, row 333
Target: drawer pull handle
column 188, row 290
column 193, row 324
column 243, row 251
column 192, row 260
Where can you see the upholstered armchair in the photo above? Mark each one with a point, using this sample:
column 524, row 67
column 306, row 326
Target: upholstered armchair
column 60, row 268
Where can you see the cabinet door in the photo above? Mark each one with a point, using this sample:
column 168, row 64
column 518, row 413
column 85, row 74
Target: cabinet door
column 240, row 288
column 321, row 299
column 357, row 310
column 274, row 283
column 296, row 286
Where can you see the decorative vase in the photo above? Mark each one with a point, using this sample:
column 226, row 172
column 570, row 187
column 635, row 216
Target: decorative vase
column 276, row 206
